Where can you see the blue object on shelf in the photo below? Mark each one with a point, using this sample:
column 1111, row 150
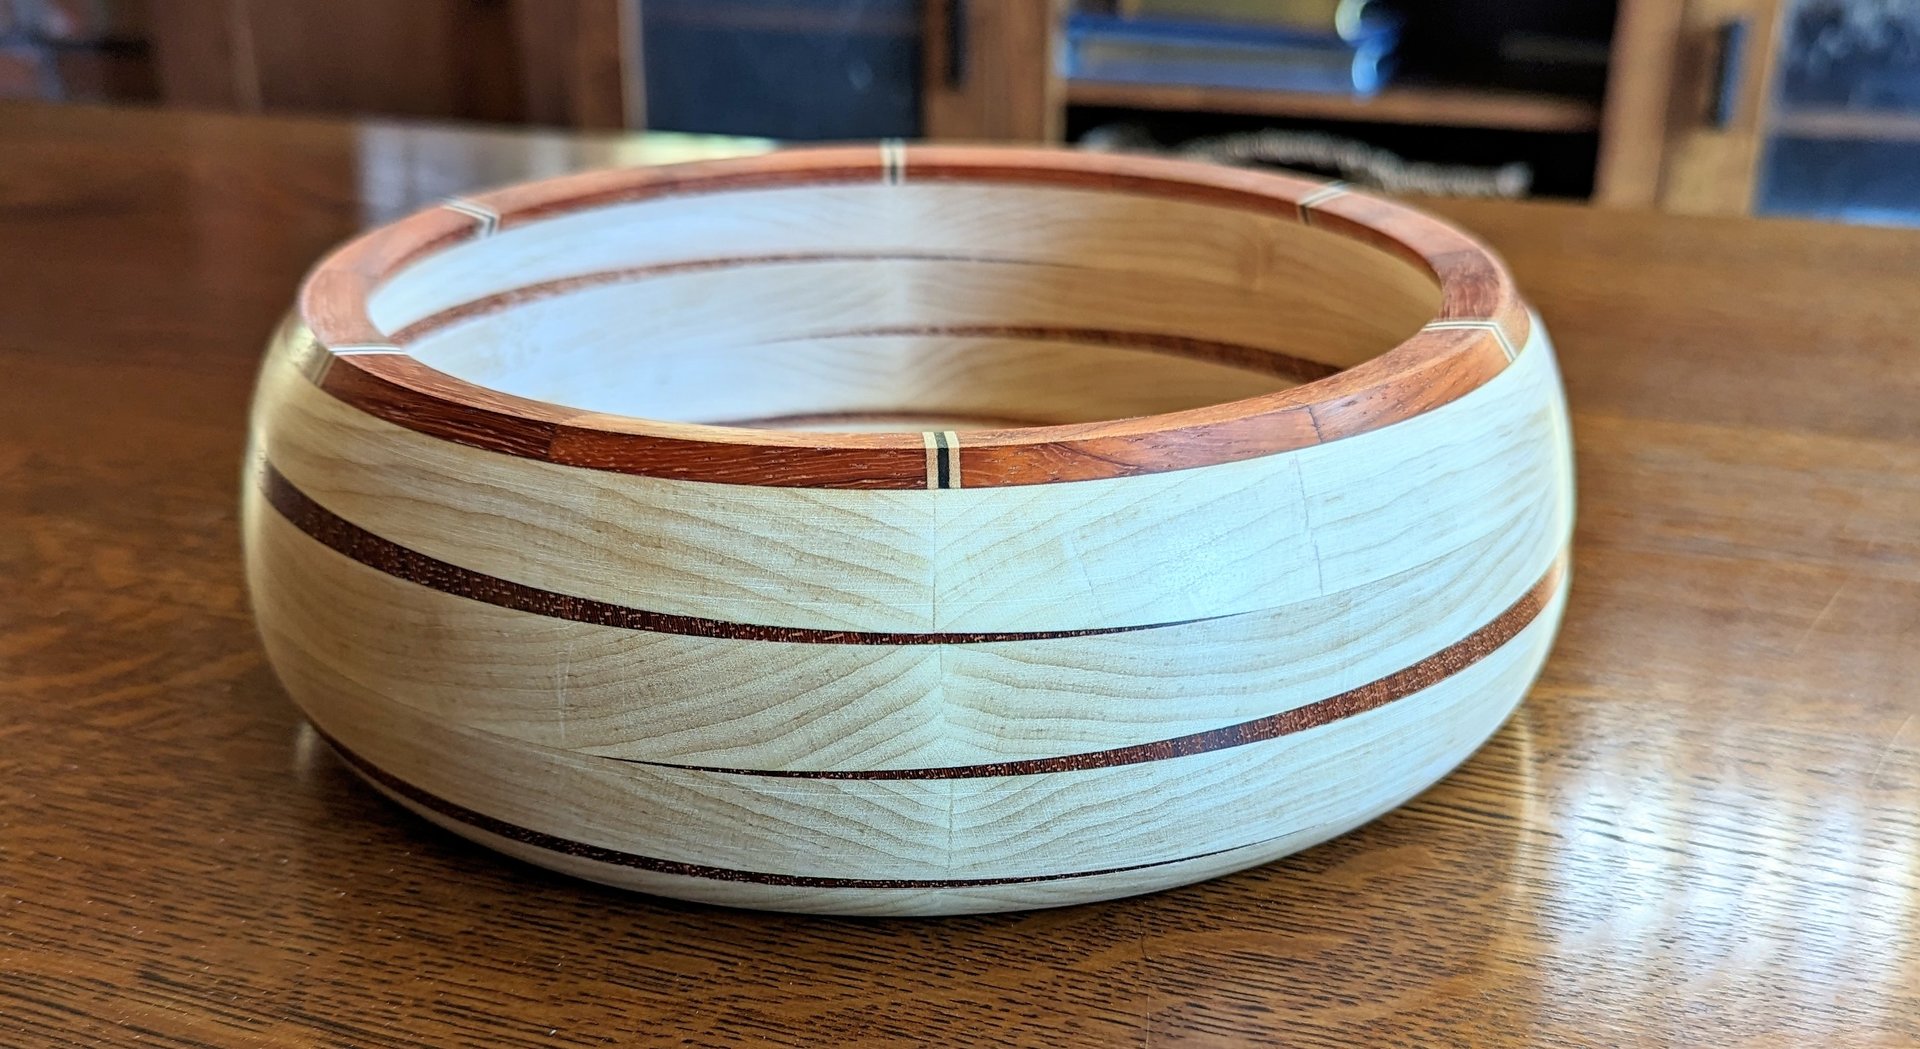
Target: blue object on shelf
column 1212, row 54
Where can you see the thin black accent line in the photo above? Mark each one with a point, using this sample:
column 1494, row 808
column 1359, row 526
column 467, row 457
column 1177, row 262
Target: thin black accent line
column 943, row 471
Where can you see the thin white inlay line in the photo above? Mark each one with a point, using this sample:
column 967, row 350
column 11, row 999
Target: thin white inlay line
column 1499, row 333
column 893, row 161
column 488, row 218
column 932, row 441
column 1320, row 196
column 363, row 350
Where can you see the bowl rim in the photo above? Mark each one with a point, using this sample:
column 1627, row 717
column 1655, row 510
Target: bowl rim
column 1478, row 329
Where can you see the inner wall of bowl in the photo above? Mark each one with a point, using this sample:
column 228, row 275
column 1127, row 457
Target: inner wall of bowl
column 943, row 305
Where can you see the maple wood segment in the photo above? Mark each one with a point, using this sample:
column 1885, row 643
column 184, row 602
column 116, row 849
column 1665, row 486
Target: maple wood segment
column 424, row 323
column 666, row 527
column 1167, row 546
column 1697, row 829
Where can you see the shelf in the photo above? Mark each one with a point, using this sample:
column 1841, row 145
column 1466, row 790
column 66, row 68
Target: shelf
column 1852, row 124
column 1452, row 107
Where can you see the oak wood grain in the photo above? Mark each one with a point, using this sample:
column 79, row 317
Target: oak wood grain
column 1699, row 830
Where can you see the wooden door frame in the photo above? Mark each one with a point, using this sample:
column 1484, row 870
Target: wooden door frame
column 1656, row 147
column 999, row 80
column 577, row 63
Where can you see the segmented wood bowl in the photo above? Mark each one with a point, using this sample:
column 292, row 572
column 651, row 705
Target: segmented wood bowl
column 908, row 530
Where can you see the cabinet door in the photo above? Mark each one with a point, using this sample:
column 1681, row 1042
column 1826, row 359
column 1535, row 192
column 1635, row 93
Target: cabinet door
column 1688, row 93
column 1722, row 104
column 1801, row 107
column 854, row 69
column 796, row 70
column 990, row 71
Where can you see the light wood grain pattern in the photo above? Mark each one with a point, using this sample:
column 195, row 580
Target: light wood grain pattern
column 830, row 559
column 1698, row 829
column 1192, row 795
column 1109, row 681
column 1162, row 235
column 1479, row 323
column 724, row 701
column 775, row 357
column 864, row 836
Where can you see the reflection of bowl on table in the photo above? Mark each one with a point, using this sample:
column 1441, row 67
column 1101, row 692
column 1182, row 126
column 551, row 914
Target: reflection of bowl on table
column 1069, row 533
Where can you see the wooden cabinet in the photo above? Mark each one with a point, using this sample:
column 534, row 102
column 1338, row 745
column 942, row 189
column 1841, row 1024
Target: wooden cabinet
column 1719, row 106
column 1808, row 107
column 565, row 62
column 989, row 71
column 1794, row 107
column 1706, row 109
column 1689, row 103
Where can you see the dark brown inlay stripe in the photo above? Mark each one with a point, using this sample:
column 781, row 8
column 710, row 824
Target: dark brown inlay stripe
column 619, row 858
column 1371, row 696
column 1232, row 354
column 1430, row 369
column 1238, row 355
column 489, row 304
column 385, row 555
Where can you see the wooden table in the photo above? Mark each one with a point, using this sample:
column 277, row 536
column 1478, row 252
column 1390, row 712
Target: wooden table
column 1701, row 829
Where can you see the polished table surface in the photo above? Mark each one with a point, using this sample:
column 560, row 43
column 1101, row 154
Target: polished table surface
column 1702, row 828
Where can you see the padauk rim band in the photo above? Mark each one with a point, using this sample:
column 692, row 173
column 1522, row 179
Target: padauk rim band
column 1435, row 365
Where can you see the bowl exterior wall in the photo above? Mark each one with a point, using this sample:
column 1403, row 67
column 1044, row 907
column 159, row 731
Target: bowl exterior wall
column 908, row 702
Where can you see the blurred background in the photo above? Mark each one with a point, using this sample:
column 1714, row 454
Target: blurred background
column 1801, row 107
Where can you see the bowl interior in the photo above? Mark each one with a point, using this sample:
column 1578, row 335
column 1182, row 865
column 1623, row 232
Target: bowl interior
column 940, row 305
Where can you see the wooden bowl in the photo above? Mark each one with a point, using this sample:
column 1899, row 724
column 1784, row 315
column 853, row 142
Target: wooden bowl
column 908, row 530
